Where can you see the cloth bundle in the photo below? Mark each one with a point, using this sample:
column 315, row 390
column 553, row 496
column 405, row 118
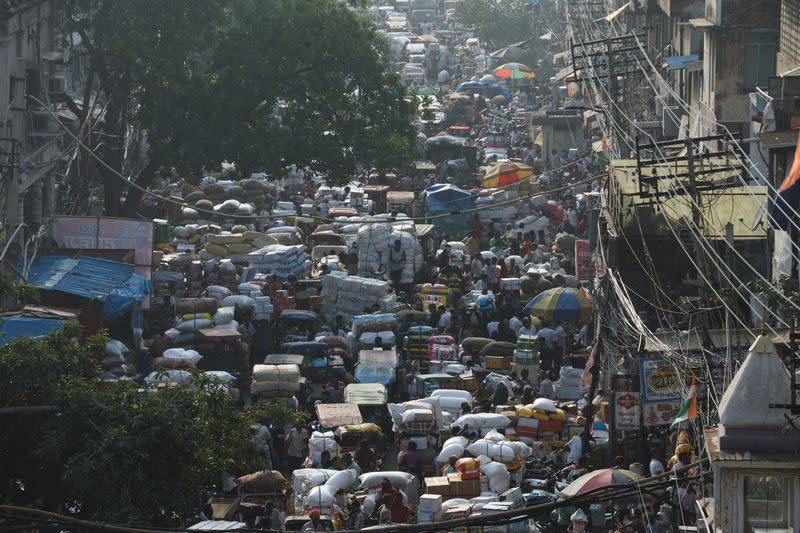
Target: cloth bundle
column 276, row 378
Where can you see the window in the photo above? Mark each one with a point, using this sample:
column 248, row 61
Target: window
column 760, row 57
column 768, row 504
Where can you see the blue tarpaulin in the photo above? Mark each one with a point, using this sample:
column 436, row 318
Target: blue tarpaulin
column 111, row 282
column 447, row 198
column 679, row 62
column 14, row 327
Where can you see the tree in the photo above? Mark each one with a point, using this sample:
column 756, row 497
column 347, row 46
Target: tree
column 110, row 451
column 497, row 22
column 306, row 82
column 259, row 84
column 142, row 56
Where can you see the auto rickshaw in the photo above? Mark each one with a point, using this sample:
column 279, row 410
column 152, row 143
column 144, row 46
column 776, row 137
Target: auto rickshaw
column 377, row 193
column 402, row 201
column 327, row 255
column 297, row 325
column 324, row 238
column 427, row 383
column 338, row 212
column 371, row 399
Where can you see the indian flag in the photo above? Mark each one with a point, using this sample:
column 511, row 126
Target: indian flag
column 689, row 409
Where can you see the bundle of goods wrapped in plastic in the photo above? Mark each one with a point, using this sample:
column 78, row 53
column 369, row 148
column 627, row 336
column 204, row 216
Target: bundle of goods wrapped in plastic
column 323, row 442
column 278, row 259
column 366, row 373
column 451, row 400
column 568, row 386
column 276, row 379
column 373, row 248
column 349, row 295
column 419, row 412
column 410, row 246
column 434, row 294
column 442, row 348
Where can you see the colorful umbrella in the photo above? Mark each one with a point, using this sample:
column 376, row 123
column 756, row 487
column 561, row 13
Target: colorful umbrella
column 514, row 71
column 503, row 174
column 599, row 478
column 562, row 304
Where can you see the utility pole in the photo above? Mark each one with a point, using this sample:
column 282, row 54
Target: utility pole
column 697, row 220
column 728, row 317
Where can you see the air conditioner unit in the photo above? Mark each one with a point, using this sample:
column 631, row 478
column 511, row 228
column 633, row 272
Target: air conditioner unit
column 670, row 121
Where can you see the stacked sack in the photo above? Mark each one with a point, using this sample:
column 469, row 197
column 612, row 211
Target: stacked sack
column 322, row 442
column 409, row 243
column 442, row 348
column 539, row 421
column 526, row 355
column 434, row 294
column 276, row 380
column 321, row 498
column 373, row 249
column 349, row 295
column 178, row 358
column 278, row 259
column 568, row 386
column 418, row 345
column 116, row 361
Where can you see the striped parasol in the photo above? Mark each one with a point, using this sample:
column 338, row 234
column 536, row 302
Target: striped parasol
column 503, row 174
column 562, row 304
column 598, row 479
column 514, row 71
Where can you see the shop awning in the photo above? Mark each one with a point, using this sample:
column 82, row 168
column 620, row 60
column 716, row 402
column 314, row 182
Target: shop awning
column 113, row 283
column 679, row 62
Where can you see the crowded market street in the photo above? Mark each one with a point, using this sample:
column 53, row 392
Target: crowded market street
column 429, row 265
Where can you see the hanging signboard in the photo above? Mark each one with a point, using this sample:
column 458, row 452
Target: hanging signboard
column 584, row 263
column 627, row 411
column 661, row 393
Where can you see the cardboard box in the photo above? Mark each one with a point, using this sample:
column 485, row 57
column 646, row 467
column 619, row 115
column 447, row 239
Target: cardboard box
column 430, row 503
column 426, row 517
column 550, row 426
column 513, row 496
column 492, row 362
column 464, row 488
column 459, row 511
column 437, row 485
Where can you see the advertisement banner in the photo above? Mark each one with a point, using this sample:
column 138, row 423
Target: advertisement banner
column 106, row 233
column 661, row 393
column 627, row 411
column 661, row 413
column 584, row 263
column 659, row 382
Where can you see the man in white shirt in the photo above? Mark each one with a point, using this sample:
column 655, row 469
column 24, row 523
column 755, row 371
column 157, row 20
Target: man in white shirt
column 527, row 329
column 515, row 324
column 445, row 319
column 656, row 466
column 324, row 208
column 548, row 345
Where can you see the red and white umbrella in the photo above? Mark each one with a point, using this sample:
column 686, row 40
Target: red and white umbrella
column 599, row 478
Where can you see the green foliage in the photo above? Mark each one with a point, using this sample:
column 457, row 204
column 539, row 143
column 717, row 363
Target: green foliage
column 111, row 450
column 17, row 293
column 277, row 414
column 777, row 296
column 498, row 23
column 260, row 84
column 305, row 81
